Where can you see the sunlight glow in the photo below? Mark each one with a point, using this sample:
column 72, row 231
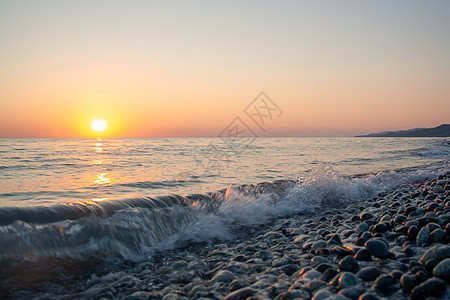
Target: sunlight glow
column 99, row 125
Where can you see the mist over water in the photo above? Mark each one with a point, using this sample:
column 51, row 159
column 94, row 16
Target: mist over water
column 130, row 197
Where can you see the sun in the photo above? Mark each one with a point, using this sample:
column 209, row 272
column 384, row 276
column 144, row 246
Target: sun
column 99, row 125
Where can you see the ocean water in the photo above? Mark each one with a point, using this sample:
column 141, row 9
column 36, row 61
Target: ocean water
column 84, row 198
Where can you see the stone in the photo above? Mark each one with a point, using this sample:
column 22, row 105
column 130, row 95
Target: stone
column 314, row 285
column 377, row 248
column 362, row 255
column 140, row 295
column 407, row 283
column 442, row 269
column 362, row 227
column 438, row 252
column 347, row 279
column 365, row 216
column 433, row 287
column 368, row 296
column 240, row 294
column 351, row 292
column 382, row 282
column 369, row 273
column 423, row 236
column 438, row 189
column 348, row 263
column 321, row 294
column 328, row 275
column 223, row 276
column 412, row 233
column 437, row 235
column 318, row 245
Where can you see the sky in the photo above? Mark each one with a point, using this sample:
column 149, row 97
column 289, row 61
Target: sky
column 190, row 68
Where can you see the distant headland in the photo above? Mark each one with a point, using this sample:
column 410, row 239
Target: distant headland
column 439, row 131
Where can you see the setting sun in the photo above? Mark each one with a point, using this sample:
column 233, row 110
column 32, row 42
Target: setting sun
column 99, row 125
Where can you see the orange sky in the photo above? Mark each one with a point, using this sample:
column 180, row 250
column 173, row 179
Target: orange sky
column 153, row 69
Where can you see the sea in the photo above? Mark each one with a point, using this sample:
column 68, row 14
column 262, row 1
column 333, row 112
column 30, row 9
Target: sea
column 131, row 198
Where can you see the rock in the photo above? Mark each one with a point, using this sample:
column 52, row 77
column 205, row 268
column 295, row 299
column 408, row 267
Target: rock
column 223, row 276
column 382, row 282
column 437, row 235
column 423, row 236
column 369, row 273
column 240, row 294
column 438, row 189
column 433, row 287
column 318, row 245
column 412, row 233
column 362, row 227
column 407, row 283
column 438, row 252
column 322, row 267
column 140, row 295
column 380, row 227
column 321, row 294
column 289, row 269
column 442, row 269
column 314, row 285
column 368, row 296
column 351, row 292
column 365, row 216
column 347, row 279
column 348, row 263
column 363, row 254
column 377, row 248
column 328, row 275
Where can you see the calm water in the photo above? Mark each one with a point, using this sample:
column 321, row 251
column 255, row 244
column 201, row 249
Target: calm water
column 84, row 198
column 52, row 171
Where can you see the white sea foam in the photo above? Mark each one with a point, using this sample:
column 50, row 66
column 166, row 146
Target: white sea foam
column 134, row 233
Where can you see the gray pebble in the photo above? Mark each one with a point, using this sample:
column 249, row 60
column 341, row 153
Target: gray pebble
column 377, row 248
column 442, row 269
column 369, row 273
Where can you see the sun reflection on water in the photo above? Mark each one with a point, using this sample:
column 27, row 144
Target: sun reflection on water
column 102, row 179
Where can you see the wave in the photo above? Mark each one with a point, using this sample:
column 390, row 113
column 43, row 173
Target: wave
column 135, row 228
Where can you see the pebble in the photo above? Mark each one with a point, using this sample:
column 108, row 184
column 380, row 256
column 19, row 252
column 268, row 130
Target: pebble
column 442, row 269
column 377, row 248
column 369, row 273
column 407, row 283
column 438, row 252
column 433, row 287
column 347, row 279
column 223, row 276
column 348, row 263
column 240, row 294
column 423, row 236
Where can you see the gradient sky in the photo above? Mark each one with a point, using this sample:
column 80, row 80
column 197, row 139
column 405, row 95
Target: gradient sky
column 188, row 68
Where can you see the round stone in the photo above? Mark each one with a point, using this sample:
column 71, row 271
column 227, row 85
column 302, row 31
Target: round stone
column 423, row 236
column 442, row 269
column 347, row 279
column 407, row 283
column 348, row 263
column 377, row 248
column 433, row 287
column 437, row 235
column 369, row 273
column 382, row 282
column 439, row 253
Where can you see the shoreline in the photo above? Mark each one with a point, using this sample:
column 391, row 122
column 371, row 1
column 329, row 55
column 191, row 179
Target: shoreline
column 393, row 245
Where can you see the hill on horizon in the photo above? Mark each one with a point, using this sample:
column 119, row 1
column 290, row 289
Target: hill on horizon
column 439, row 131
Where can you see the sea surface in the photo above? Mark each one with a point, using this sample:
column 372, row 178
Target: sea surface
column 82, row 198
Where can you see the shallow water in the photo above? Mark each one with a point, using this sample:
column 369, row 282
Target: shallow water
column 55, row 171
column 83, row 198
